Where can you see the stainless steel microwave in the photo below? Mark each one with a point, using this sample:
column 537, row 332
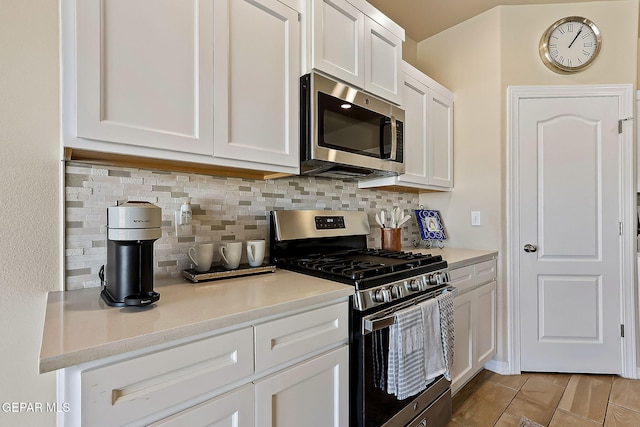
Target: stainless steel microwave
column 346, row 133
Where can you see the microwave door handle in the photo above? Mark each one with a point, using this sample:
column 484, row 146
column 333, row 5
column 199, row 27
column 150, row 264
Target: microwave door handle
column 394, row 139
column 384, row 122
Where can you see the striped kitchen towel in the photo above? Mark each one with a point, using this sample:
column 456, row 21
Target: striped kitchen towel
column 445, row 303
column 405, row 371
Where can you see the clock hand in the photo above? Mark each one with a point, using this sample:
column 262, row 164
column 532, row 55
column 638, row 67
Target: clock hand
column 574, row 39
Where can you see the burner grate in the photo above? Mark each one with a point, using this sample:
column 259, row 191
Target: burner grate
column 360, row 265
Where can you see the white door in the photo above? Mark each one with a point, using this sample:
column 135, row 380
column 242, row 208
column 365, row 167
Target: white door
column 314, row 393
column 569, row 204
column 145, row 73
column 256, row 92
column 337, row 42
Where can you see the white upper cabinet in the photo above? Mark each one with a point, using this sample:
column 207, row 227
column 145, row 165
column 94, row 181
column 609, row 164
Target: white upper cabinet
column 338, row 40
column 440, row 141
column 205, row 82
column 382, row 60
column 354, row 42
column 256, row 86
column 145, row 73
column 428, row 135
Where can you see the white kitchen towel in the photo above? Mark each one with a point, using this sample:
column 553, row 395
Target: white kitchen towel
column 406, row 375
column 434, row 359
column 445, row 303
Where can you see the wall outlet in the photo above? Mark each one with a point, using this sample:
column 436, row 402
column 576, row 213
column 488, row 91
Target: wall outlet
column 475, row 217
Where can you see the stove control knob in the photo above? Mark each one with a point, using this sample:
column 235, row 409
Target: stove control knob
column 397, row 291
column 416, row 285
column 434, row 279
column 382, row 295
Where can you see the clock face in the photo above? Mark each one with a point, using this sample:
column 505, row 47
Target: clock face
column 570, row 44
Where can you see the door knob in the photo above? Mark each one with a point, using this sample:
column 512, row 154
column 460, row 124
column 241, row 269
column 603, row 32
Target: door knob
column 530, row 248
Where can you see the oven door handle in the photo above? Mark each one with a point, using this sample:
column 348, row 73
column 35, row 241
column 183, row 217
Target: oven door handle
column 371, row 324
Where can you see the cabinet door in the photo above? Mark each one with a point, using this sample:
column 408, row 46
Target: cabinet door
column 463, row 341
column 383, row 58
column 485, row 324
column 256, row 87
column 440, row 148
column 314, row 393
column 416, row 105
column 337, row 40
column 234, row 409
column 145, row 73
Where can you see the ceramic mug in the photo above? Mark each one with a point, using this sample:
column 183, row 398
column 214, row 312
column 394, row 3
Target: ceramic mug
column 201, row 254
column 255, row 252
column 231, row 253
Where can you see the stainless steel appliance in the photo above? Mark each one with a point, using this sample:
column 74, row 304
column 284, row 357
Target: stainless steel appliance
column 333, row 245
column 127, row 279
column 346, row 133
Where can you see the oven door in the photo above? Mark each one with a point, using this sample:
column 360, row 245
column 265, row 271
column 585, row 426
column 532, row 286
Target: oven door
column 371, row 404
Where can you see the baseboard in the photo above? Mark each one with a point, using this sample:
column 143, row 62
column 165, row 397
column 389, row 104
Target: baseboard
column 502, row 368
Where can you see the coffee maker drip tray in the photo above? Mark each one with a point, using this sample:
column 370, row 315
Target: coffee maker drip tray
column 219, row 272
column 134, row 300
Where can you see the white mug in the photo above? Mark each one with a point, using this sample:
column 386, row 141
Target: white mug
column 255, row 252
column 201, row 254
column 231, row 253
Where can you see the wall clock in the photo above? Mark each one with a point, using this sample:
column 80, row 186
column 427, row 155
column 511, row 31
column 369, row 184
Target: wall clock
column 570, row 44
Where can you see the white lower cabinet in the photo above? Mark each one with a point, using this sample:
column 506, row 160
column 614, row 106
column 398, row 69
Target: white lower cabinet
column 311, row 394
column 285, row 371
column 475, row 320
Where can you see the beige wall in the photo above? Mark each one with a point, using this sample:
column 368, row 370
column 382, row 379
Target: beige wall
column 410, row 51
column 29, row 212
column 479, row 59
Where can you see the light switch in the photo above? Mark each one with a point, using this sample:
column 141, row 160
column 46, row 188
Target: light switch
column 475, row 217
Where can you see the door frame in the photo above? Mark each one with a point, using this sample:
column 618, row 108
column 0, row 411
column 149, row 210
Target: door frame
column 627, row 209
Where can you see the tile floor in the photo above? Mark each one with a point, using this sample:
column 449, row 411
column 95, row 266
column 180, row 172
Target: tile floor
column 554, row 400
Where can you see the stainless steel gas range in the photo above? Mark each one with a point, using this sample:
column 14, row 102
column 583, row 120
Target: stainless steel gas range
column 333, row 245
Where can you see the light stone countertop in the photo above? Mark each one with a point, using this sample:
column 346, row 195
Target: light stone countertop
column 457, row 257
column 79, row 327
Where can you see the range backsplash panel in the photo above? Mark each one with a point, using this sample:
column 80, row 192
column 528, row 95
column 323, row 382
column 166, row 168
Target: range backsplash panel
column 223, row 209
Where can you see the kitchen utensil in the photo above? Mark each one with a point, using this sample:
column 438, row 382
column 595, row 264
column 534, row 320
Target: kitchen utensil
column 231, row 253
column 255, row 252
column 404, row 219
column 378, row 221
column 383, row 218
column 201, row 254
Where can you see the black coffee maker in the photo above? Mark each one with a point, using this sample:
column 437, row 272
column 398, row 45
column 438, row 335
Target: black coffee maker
column 127, row 278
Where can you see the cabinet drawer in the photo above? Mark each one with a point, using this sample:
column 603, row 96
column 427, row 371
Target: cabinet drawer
column 130, row 390
column 286, row 339
column 462, row 278
column 485, row 271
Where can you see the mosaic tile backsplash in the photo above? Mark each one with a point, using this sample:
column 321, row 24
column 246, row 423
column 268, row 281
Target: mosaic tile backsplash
column 223, row 209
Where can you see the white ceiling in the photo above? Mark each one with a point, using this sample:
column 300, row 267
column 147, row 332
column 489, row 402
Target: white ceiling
column 423, row 18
